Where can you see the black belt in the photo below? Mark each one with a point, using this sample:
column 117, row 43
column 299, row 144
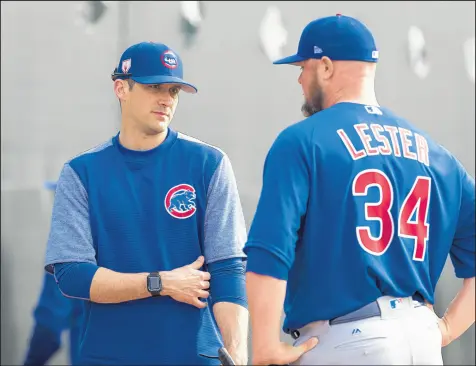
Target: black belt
column 367, row 311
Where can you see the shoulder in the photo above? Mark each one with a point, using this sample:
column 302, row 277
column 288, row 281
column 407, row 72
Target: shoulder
column 296, row 135
column 86, row 161
column 440, row 155
column 201, row 149
column 89, row 155
column 305, row 129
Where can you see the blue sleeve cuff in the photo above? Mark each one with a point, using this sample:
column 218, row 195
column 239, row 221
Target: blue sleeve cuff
column 464, row 273
column 74, row 279
column 227, row 282
column 463, row 260
column 265, row 263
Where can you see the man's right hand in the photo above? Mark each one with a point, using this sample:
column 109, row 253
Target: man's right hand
column 187, row 284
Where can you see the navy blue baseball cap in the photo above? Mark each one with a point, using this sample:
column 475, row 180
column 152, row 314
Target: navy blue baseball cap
column 152, row 63
column 338, row 37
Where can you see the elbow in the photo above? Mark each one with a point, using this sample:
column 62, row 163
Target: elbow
column 65, row 289
column 74, row 279
column 228, row 282
column 265, row 263
column 469, row 286
column 469, row 281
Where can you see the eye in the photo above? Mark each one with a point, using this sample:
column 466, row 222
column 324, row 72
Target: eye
column 174, row 90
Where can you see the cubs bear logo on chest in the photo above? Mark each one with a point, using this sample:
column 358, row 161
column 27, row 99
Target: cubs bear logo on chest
column 180, row 201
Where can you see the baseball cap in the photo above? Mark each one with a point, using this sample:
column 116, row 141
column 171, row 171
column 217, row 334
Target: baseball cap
column 152, row 63
column 338, row 37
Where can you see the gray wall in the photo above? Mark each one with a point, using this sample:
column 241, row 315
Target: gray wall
column 57, row 100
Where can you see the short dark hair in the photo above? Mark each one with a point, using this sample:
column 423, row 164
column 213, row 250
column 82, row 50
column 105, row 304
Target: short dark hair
column 131, row 85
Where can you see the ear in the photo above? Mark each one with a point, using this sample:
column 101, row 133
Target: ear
column 120, row 89
column 327, row 67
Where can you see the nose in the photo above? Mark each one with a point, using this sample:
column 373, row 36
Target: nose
column 299, row 79
column 165, row 99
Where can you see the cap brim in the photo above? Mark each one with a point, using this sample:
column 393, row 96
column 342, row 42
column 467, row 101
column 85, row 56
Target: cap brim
column 50, row 185
column 289, row 60
column 164, row 79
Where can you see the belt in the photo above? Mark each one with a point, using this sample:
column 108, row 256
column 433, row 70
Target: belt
column 367, row 311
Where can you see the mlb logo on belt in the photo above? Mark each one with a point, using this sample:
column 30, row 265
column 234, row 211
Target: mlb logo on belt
column 396, row 303
column 180, row 201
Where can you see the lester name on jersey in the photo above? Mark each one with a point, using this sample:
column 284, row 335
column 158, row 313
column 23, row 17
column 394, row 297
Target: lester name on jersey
column 363, row 205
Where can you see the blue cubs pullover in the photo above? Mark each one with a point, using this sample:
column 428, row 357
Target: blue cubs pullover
column 143, row 211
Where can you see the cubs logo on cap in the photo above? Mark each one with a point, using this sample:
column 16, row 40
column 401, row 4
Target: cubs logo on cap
column 169, row 59
column 180, row 201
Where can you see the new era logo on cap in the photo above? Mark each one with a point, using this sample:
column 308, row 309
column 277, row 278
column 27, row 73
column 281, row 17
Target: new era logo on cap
column 317, row 50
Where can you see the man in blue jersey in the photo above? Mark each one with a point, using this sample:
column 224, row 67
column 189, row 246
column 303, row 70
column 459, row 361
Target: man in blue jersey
column 148, row 228
column 53, row 314
column 358, row 213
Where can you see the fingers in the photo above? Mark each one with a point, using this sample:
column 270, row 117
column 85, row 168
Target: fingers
column 206, row 276
column 203, row 294
column 308, row 345
column 198, row 263
column 197, row 303
column 294, row 353
column 205, row 285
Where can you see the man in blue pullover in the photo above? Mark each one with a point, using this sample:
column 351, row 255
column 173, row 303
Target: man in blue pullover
column 148, row 229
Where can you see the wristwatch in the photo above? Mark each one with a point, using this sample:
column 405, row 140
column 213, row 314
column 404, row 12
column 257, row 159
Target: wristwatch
column 154, row 283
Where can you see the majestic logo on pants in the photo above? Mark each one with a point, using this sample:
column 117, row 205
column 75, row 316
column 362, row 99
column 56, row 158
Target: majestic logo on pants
column 180, row 201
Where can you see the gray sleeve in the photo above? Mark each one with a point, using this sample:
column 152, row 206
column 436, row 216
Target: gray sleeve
column 70, row 238
column 225, row 229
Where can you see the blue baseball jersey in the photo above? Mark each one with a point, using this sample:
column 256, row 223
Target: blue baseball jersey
column 358, row 203
column 144, row 211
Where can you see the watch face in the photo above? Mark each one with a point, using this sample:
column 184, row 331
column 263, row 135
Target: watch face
column 154, row 284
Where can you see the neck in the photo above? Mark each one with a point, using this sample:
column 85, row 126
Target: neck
column 361, row 93
column 354, row 82
column 133, row 139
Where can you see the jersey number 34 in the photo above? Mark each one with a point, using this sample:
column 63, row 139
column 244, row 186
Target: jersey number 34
column 417, row 199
